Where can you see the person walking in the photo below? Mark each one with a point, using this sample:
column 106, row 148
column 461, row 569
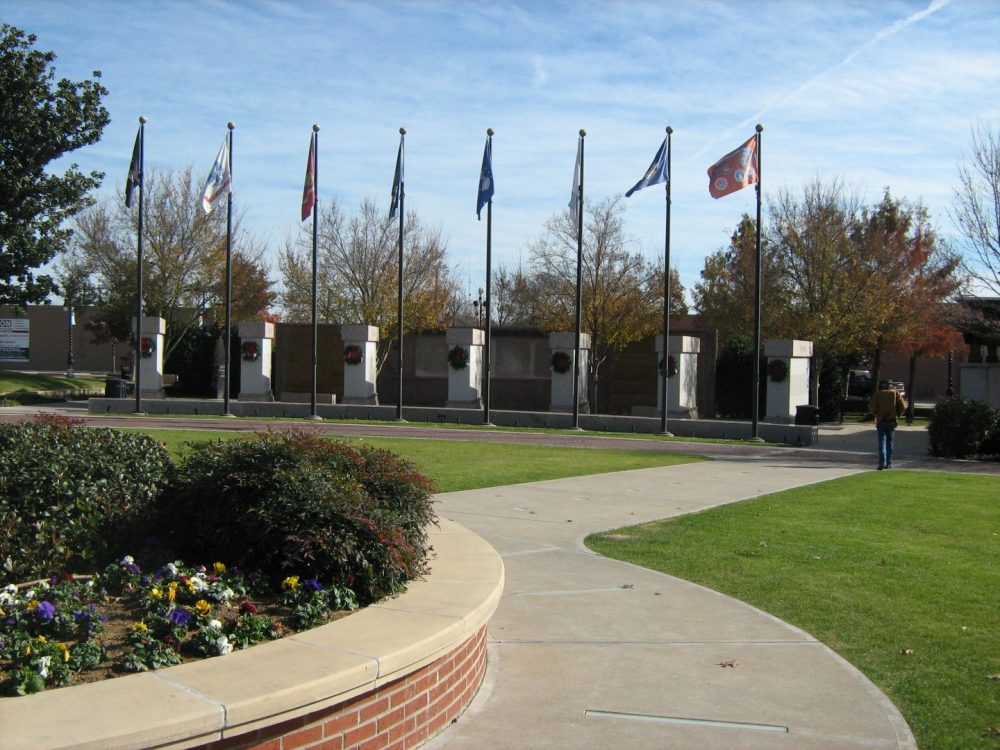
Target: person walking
column 888, row 405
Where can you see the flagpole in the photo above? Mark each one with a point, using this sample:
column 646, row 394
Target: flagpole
column 136, row 369
column 666, row 297
column 315, row 325
column 399, row 300
column 229, row 271
column 579, row 286
column 756, row 302
column 489, row 293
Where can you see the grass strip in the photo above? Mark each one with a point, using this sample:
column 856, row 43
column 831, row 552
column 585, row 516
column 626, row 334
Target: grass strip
column 457, row 465
column 899, row 572
column 17, row 382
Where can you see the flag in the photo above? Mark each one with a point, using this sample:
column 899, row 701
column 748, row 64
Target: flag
column 656, row 173
column 485, row 179
column 574, row 198
column 309, row 188
column 397, row 181
column 220, row 179
column 734, row 171
column 134, row 169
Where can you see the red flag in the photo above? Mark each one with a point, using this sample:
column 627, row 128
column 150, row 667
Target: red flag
column 734, row 171
column 309, row 189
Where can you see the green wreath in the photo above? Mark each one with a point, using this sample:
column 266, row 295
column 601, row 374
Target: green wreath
column 250, row 351
column 458, row 357
column 561, row 362
column 353, row 355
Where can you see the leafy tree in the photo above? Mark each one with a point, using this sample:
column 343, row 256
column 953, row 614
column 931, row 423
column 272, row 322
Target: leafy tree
column 976, row 209
column 357, row 273
column 184, row 257
column 40, row 120
column 725, row 297
column 622, row 293
column 811, row 239
column 911, row 281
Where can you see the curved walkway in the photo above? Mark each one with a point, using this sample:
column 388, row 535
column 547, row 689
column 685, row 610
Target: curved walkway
column 588, row 652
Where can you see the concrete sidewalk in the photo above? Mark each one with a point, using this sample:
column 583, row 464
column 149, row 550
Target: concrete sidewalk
column 587, row 652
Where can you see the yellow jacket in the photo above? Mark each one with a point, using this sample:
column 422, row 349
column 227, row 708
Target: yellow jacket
column 887, row 404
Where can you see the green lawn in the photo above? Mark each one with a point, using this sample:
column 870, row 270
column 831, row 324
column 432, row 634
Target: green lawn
column 458, row 465
column 897, row 571
column 12, row 382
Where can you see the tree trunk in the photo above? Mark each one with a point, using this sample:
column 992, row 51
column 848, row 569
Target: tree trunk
column 814, row 370
column 909, row 388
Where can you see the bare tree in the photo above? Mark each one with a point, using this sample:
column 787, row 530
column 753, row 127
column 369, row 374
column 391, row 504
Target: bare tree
column 357, row 272
column 622, row 292
column 184, row 253
column 976, row 210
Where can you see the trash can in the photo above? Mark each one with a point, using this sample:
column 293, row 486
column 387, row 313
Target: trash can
column 807, row 414
column 115, row 388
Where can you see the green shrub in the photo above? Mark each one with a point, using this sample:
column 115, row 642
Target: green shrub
column 70, row 497
column 961, row 428
column 294, row 502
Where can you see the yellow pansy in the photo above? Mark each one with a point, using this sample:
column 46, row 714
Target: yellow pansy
column 139, row 627
column 171, row 591
column 203, row 608
column 65, row 651
column 155, row 593
column 219, row 568
column 291, row 583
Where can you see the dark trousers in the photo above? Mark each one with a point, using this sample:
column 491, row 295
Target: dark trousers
column 885, row 428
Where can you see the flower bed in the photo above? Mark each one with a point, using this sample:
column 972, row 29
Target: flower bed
column 76, row 630
column 403, row 669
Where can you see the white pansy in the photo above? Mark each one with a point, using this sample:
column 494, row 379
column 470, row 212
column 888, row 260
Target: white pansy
column 224, row 646
column 43, row 666
column 215, row 624
column 172, row 569
column 128, row 560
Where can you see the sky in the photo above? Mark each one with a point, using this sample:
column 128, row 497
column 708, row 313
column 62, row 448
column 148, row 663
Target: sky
column 876, row 94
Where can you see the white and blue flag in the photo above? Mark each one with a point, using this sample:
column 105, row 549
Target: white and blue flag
column 220, row 179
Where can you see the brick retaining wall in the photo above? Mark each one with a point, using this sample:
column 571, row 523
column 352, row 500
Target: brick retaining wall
column 399, row 715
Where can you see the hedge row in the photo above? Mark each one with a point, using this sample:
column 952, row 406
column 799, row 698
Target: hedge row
column 960, row 428
column 73, row 499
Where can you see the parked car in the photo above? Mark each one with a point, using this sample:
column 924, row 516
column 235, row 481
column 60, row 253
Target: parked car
column 860, row 388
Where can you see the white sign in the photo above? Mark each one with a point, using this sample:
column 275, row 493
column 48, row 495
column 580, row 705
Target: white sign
column 13, row 339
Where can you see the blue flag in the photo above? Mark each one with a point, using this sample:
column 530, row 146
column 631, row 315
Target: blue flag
column 656, row 173
column 397, row 181
column 485, row 179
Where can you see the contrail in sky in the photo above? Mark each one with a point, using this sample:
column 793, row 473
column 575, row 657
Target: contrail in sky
column 885, row 33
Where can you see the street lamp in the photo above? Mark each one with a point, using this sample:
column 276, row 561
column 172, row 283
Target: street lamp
column 69, row 355
column 480, row 306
